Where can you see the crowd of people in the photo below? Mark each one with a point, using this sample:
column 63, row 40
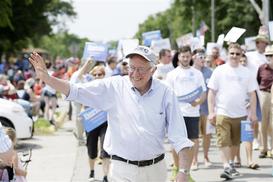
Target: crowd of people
column 184, row 95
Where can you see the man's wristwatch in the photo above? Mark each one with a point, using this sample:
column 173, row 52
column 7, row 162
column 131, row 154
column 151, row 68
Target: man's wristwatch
column 184, row 171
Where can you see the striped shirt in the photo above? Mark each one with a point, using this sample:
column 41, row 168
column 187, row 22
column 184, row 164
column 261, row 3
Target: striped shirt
column 5, row 142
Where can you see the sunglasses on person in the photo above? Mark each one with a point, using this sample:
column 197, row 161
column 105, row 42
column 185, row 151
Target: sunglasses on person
column 235, row 53
column 200, row 56
column 270, row 56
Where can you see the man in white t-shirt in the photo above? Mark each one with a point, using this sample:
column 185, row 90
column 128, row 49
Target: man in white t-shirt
column 229, row 89
column 189, row 86
column 165, row 64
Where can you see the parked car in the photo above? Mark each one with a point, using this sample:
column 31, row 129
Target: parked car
column 13, row 115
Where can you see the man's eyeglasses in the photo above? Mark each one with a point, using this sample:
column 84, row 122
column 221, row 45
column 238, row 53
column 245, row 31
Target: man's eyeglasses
column 270, row 56
column 235, row 53
column 139, row 70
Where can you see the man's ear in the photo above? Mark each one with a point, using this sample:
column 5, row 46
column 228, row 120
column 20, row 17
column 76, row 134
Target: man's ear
column 154, row 69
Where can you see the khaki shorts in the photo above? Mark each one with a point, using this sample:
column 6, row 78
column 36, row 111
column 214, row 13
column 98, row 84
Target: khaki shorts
column 228, row 130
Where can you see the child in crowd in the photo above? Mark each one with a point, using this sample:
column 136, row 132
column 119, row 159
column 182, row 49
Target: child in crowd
column 19, row 172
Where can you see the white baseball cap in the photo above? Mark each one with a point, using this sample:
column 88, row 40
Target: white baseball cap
column 143, row 51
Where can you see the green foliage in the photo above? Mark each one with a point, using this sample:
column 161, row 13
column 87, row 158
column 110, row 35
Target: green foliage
column 6, row 13
column 185, row 16
column 60, row 44
column 25, row 20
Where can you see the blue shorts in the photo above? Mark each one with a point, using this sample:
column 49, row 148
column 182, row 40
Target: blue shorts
column 192, row 125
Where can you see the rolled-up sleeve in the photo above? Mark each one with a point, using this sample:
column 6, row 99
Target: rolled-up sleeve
column 176, row 128
column 96, row 94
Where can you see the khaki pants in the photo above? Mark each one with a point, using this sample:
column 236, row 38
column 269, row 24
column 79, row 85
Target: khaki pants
column 122, row 172
column 266, row 125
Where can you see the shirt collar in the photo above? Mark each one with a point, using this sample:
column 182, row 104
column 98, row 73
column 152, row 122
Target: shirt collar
column 152, row 87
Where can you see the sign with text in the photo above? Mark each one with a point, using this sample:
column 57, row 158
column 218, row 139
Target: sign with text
column 125, row 46
column 247, row 132
column 270, row 26
column 149, row 36
column 92, row 118
column 184, row 40
column 234, row 34
column 95, row 50
column 250, row 43
column 157, row 45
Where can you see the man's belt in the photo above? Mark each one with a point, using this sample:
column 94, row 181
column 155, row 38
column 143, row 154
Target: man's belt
column 139, row 163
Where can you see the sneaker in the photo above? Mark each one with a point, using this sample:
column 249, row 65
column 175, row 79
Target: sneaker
column 191, row 179
column 207, row 163
column 194, row 167
column 91, row 175
column 174, row 173
column 234, row 172
column 263, row 155
column 256, row 145
column 105, row 179
column 226, row 174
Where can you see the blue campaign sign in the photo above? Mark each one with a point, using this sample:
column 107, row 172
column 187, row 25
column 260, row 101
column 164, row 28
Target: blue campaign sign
column 192, row 96
column 149, row 36
column 93, row 118
column 98, row 51
column 247, row 132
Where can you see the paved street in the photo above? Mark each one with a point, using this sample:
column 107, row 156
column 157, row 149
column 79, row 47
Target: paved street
column 58, row 158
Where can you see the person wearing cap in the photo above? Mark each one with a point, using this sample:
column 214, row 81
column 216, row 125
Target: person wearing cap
column 230, row 85
column 265, row 80
column 140, row 112
column 255, row 60
column 6, row 151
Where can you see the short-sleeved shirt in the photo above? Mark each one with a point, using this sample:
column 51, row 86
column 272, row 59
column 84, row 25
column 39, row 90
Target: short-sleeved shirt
column 185, row 81
column 206, row 74
column 232, row 86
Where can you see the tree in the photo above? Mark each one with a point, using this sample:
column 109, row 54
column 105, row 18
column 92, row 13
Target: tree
column 185, row 16
column 24, row 21
column 60, row 44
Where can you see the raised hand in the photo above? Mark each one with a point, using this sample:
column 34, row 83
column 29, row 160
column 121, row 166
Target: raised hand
column 39, row 65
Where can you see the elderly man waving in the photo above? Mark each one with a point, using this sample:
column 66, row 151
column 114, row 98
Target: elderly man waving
column 140, row 110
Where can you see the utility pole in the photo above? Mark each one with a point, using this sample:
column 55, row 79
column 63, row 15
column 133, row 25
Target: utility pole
column 212, row 20
column 193, row 18
column 266, row 12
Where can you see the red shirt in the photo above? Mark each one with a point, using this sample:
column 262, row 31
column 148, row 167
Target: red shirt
column 265, row 77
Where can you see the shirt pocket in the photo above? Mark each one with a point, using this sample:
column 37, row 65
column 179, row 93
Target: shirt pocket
column 155, row 121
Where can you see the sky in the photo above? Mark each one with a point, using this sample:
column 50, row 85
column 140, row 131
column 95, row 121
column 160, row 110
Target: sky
column 104, row 20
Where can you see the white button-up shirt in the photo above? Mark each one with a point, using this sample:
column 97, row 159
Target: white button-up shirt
column 137, row 124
